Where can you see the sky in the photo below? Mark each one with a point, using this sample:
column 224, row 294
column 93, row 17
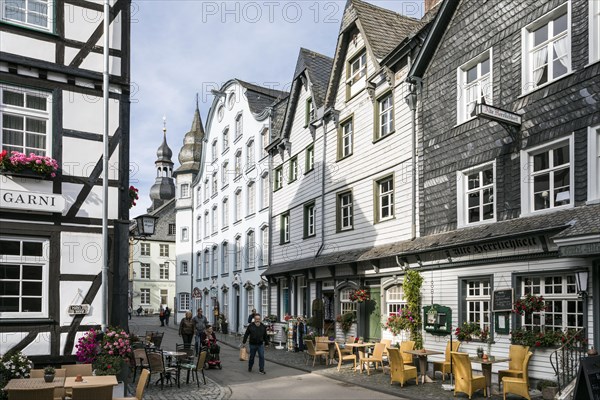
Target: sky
column 181, row 48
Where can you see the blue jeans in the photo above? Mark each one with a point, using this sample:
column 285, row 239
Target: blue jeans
column 261, row 356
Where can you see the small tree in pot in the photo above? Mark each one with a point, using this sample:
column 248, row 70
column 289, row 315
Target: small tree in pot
column 548, row 389
column 49, row 373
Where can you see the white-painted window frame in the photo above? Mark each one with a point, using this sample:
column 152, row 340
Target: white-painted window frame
column 463, row 192
column 483, row 85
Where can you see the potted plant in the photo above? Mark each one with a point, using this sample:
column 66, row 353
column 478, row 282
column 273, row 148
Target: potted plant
column 467, row 332
column 133, row 196
column 548, row 389
column 30, row 165
column 13, row 365
column 346, row 320
column 49, row 373
column 360, row 295
column 529, row 304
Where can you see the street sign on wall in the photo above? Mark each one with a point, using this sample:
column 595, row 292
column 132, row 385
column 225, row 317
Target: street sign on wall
column 79, row 309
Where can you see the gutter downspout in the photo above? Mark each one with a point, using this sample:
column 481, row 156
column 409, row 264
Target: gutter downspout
column 106, row 155
column 323, row 175
column 411, row 100
column 270, row 216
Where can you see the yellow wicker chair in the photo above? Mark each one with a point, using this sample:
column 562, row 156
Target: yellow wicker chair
column 376, row 358
column 465, row 381
column 93, row 393
column 519, row 386
column 141, row 386
column 344, row 357
column 37, row 394
column 407, row 345
column 313, row 352
column 517, row 354
column 444, row 366
column 398, row 371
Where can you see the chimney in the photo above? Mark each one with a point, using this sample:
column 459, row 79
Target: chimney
column 429, row 4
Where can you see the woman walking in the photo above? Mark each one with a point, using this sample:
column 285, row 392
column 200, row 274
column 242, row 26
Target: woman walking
column 186, row 328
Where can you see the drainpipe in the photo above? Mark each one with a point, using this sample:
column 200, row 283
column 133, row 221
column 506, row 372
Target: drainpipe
column 323, row 176
column 411, row 100
column 270, row 212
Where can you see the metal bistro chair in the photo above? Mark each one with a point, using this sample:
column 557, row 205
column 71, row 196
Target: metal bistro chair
column 157, row 339
column 93, row 393
column 198, row 366
column 141, row 361
column 185, row 348
column 156, row 363
column 37, row 394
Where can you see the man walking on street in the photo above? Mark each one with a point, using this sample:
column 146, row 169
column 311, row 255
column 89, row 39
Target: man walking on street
column 200, row 322
column 257, row 332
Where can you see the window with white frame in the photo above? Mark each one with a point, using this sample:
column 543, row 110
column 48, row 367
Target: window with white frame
column 163, row 250
column 250, row 154
column 224, row 174
column 251, row 250
column 345, row 139
column 476, row 195
column 264, row 141
column 184, row 191
column 477, row 301
column 215, row 184
column 225, row 303
column 172, row 229
column 184, row 268
column 214, row 150
column 198, row 228
column 345, row 211
column 214, row 222
column 23, row 277
column 284, row 292
column 225, row 140
column 144, row 271
column 185, row 234
column 346, row 305
column 206, row 263
column 594, row 163
column 164, row 296
column 199, row 264
column 251, row 198
column 385, row 113
column 206, row 190
column 594, row 31
column 238, row 163
column 163, row 270
column 264, row 301
column 145, row 296
column 215, row 260
column 293, row 175
column 264, row 181
column 250, row 300
column 310, row 111
column 309, row 220
column 225, row 258
column 474, row 86
column 225, row 212
column 357, row 73
column 547, row 48
column 145, row 249
column 238, row 126
column 385, row 198
column 394, row 300
column 238, row 254
column 278, row 178
column 310, row 158
column 184, row 302
column 548, row 170
column 238, row 205
column 301, row 296
column 206, row 224
column 284, row 228
column 564, row 307
column 265, row 245
column 25, row 115
column 32, row 13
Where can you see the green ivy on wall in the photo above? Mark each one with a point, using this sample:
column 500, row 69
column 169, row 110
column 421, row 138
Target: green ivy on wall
column 413, row 281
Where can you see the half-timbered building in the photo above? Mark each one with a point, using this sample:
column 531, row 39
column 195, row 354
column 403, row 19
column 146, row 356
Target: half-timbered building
column 50, row 227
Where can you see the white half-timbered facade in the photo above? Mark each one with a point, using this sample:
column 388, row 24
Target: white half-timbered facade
column 50, row 228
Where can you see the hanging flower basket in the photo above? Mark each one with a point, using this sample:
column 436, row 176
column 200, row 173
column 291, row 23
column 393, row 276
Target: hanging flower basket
column 30, row 165
column 401, row 321
column 133, row 196
column 529, row 304
column 360, row 295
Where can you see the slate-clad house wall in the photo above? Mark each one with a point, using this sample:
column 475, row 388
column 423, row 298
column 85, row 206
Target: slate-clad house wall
column 481, row 182
column 51, row 83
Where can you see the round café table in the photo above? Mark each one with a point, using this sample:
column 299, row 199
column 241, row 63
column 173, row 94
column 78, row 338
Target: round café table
column 423, row 361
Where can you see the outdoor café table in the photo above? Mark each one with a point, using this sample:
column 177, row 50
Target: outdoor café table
column 91, row 381
column 360, row 347
column 423, row 361
column 177, row 354
column 486, row 368
column 33, row 383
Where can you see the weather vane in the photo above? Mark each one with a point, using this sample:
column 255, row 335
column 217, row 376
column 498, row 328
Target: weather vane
column 165, row 124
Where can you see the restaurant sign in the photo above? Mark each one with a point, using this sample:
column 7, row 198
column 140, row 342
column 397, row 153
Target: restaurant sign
column 79, row 309
column 31, row 201
column 499, row 248
column 497, row 114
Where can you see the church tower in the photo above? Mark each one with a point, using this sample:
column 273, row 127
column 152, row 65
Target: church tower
column 163, row 189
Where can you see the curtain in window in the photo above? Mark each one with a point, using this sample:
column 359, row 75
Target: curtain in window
column 562, row 52
column 539, row 59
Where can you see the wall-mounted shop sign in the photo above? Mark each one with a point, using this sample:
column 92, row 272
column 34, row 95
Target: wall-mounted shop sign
column 499, row 247
column 502, row 300
column 31, row 201
column 79, row 309
column 497, row 114
column 437, row 319
column 584, row 249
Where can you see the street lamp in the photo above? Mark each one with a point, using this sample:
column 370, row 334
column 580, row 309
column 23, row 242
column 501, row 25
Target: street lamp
column 582, row 282
column 146, row 224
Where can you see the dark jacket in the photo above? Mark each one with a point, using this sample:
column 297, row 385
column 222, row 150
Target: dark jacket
column 251, row 318
column 186, row 327
column 257, row 334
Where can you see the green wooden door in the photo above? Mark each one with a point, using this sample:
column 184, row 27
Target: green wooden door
column 373, row 312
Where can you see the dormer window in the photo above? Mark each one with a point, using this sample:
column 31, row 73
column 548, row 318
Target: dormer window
column 356, row 73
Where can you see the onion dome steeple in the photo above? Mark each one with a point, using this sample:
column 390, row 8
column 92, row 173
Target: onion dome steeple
column 163, row 189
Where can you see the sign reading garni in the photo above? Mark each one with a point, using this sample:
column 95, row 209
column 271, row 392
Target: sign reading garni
column 31, row 201
column 497, row 114
column 499, row 248
column 79, row 309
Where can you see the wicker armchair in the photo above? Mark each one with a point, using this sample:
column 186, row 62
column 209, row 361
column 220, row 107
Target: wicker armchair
column 93, row 393
column 376, row 358
column 517, row 354
column 444, row 366
column 344, row 357
column 519, row 386
column 37, row 394
column 465, row 381
column 141, row 386
column 398, row 371
column 313, row 352
column 404, row 346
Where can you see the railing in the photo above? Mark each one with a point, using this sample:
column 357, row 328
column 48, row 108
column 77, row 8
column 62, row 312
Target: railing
column 565, row 360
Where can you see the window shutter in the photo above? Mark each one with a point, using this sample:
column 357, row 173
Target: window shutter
column 462, row 302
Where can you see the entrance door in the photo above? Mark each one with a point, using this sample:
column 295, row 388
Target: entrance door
column 373, row 313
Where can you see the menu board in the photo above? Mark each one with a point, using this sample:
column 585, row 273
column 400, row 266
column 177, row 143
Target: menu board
column 502, row 300
column 588, row 379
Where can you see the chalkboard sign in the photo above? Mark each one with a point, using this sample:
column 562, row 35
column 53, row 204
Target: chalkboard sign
column 588, row 379
column 502, row 300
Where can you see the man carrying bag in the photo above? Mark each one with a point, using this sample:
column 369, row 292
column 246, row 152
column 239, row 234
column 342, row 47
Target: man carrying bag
column 257, row 333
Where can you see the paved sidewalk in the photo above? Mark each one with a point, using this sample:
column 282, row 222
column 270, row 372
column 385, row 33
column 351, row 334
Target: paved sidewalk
column 376, row 381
